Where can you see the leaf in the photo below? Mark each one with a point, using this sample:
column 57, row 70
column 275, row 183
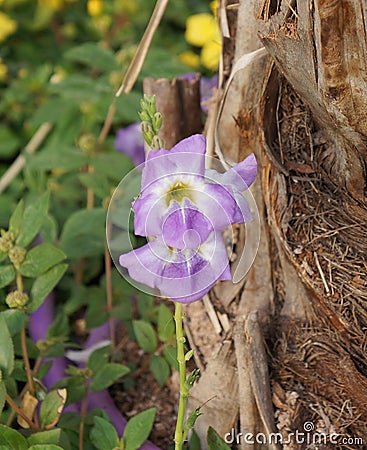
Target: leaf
column 2, row 395
column 33, row 218
column 15, row 319
column 138, row 429
column 112, row 165
column 7, row 275
column 99, row 358
column 7, row 349
column 103, row 434
column 160, row 369
column 9, row 142
column 44, row 284
column 215, row 442
column 94, row 56
column 39, row 259
column 166, row 325
column 194, row 443
column 170, row 353
column 11, row 439
column 145, row 335
column 45, row 447
column 45, row 437
column 83, row 234
column 51, row 158
column 107, row 375
column 16, row 219
column 28, row 406
column 77, row 88
column 97, row 182
column 51, row 408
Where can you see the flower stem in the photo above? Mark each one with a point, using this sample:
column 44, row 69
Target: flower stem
column 179, row 433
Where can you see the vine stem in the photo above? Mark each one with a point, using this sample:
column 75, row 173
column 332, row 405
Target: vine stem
column 179, row 433
column 23, row 341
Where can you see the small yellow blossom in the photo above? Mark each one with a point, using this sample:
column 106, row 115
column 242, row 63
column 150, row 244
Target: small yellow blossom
column 7, row 26
column 189, row 58
column 95, row 7
column 53, row 5
column 214, row 7
column 3, row 70
column 200, row 29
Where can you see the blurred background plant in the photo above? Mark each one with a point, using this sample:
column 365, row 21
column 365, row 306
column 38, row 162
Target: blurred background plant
column 61, row 62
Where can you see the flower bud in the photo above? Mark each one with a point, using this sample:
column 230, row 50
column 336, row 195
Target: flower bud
column 6, row 241
column 157, row 121
column 17, row 299
column 144, row 116
column 17, row 255
column 157, row 143
column 87, row 143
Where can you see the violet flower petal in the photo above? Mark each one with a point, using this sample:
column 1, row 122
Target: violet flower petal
column 183, row 275
column 129, row 140
column 188, row 156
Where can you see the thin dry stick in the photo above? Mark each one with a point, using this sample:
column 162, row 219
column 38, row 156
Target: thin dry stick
column 30, row 148
column 141, row 53
column 109, row 296
column 321, row 272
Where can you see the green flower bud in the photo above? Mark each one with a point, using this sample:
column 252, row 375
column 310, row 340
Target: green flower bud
column 17, row 299
column 144, row 116
column 87, row 143
column 17, row 255
column 6, row 241
column 146, row 127
column 157, row 121
column 157, row 143
column 193, row 418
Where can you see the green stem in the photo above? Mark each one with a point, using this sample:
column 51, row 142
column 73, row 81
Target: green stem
column 179, row 433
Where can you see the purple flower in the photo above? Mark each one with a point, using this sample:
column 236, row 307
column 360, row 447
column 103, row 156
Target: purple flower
column 130, row 141
column 184, row 275
column 185, row 208
column 207, row 85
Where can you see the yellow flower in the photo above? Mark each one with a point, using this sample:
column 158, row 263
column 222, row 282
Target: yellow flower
column 7, row 26
column 200, row 29
column 189, row 58
column 210, row 55
column 53, row 5
column 95, row 7
column 3, row 70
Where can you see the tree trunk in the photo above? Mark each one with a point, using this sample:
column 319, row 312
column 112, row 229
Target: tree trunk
column 289, row 340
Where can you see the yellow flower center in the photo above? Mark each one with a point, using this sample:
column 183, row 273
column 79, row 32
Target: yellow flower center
column 178, row 192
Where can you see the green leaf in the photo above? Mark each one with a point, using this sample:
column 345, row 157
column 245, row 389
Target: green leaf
column 16, row 218
column 7, row 349
column 166, row 325
column 94, row 56
column 215, row 442
column 9, row 142
column 107, row 375
column 77, row 87
column 170, row 353
column 7, row 275
column 103, row 434
column 51, row 158
column 51, row 408
column 45, row 437
column 15, row 320
column 44, row 284
column 194, row 443
column 99, row 358
column 83, row 234
column 160, row 369
column 33, row 218
column 39, row 259
column 11, row 439
column 138, row 429
column 45, row 447
column 145, row 335
column 97, row 182
column 2, row 395
column 112, row 165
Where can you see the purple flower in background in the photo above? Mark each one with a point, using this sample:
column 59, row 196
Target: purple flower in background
column 185, row 208
column 130, row 141
column 207, row 86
